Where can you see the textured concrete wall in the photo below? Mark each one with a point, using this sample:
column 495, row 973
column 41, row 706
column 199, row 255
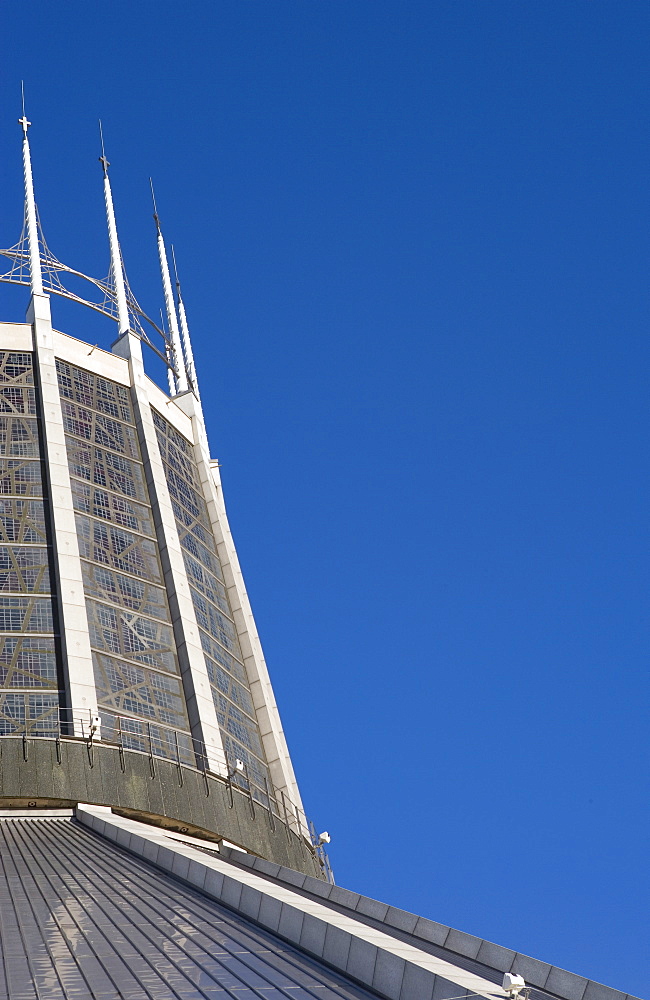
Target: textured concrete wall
column 145, row 789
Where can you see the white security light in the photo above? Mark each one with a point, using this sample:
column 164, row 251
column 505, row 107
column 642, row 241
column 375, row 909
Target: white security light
column 513, row 984
column 324, row 838
column 238, row 768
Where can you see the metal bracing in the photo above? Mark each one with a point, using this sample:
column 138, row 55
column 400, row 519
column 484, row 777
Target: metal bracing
column 34, row 265
column 52, row 269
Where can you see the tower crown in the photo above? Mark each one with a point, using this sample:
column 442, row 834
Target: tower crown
column 123, row 612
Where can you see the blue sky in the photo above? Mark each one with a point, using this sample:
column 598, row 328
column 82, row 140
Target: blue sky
column 413, row 239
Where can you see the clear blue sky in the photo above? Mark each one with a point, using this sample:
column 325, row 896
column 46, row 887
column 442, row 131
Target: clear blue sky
column 413, row 239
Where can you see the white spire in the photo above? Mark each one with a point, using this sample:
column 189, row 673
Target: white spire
column 170, row 308
column 30, row 207
column 116, row 257
column 168, row 355
column 185, row 330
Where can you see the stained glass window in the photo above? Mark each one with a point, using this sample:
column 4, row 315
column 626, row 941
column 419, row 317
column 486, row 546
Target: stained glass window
column 29, row 696
column 131, row 636
column 223, row 657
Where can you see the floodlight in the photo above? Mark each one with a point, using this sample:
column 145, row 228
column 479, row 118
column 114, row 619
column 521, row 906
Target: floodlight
column 513, row 984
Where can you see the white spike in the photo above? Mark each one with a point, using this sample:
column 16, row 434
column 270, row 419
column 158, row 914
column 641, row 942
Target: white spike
column 30, row 206
column 185, row 330
column 191, row 370
column 170, row 308
column 170, row 373
column 170, row 369
column 116, row 257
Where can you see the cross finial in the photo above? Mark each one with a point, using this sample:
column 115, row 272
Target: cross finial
column 25, row 124
column 102, row 159
column 155, row 210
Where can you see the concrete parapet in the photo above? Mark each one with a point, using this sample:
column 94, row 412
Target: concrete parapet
column 42, row 773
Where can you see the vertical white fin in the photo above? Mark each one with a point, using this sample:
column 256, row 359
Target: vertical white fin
column 116, row 257
column 168, row 355
column 30, row 211
column 170, row 308
column 185, row 330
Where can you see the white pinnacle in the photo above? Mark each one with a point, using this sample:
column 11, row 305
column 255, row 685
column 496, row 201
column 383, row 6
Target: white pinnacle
column 170, row 308
column 185, row 330
column 30, row 206
column 123, row 322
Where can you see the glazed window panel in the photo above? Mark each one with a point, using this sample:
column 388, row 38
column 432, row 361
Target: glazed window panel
column 192, row 545
column 94, row 392
column 222, row 652
column 37, row 713
column 257, row 771
column 197, row 527
column 24, row 569
column 17, row 396
column 181, row 491
column 239, row 726
column 206, row 583
column 18, row 437
column 101, row 468
column 100, row 429
column 22, row 521
column 230, row 688
column 25, row 614
column 217, row 653
column 112, row 546
column 219, row 627
column 17, row 367
column 135, row 690
column 18, row 399
column 124, row 591
column 20, row 478
column 27, row 662
column 134, row 653
column 131, row 636
column 98, row 502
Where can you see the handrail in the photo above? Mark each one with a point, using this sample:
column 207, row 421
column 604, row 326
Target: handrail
column 157, row 740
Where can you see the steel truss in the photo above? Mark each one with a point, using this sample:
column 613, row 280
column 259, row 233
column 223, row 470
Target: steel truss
column 52, row 270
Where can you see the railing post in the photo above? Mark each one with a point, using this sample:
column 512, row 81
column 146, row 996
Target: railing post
column 58, row 736
column 250, row 792
column 286, row 817
column 151, row 763
column 120, row 745
column 268, row 799
column 229, row 778
column 178, row 759
column 205, row 770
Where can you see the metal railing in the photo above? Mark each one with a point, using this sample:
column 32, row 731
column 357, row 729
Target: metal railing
column 157, row 741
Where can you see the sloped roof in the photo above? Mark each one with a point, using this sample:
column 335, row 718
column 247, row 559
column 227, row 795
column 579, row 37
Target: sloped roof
column 80, row 918
column 103, row 906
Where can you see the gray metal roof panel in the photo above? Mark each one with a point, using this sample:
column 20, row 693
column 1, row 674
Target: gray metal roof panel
column 81, row 918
